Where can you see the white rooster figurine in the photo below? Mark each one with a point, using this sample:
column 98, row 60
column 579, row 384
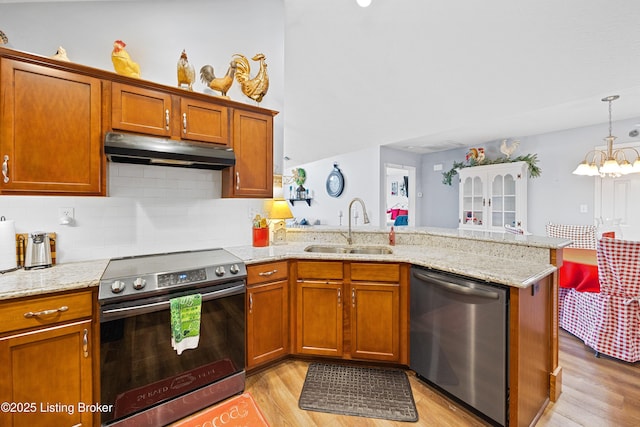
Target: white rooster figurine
column 60, row 55
column 186, row 72
column 508, row 150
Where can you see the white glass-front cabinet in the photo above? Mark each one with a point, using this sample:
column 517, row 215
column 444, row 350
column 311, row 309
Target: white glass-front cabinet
column 493, row 196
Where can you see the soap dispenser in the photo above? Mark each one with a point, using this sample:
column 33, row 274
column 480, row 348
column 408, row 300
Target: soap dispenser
column 392, row 237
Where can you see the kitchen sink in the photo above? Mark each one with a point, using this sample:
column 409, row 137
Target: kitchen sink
column 371, row 250
column 366, row 250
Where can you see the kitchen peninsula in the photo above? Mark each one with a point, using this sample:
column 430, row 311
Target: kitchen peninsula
column 524, row 264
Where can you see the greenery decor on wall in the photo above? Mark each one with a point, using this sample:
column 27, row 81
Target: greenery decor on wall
column 531, row 159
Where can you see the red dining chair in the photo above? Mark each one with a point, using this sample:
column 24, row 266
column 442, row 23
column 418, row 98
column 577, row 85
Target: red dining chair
column 609, row 321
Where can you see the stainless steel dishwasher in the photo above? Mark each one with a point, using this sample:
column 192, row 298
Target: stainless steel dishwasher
column 459, row 339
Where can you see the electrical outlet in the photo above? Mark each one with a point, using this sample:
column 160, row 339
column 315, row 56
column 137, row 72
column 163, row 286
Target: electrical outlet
column 66, row 212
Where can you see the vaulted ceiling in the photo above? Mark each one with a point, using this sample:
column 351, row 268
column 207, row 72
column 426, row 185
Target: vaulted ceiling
column 427, row 75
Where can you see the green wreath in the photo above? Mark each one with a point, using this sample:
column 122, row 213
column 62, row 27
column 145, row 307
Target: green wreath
column 530, row 159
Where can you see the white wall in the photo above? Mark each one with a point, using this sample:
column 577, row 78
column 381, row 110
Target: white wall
column 362, row 179
column 150, row 209
column 555, row 196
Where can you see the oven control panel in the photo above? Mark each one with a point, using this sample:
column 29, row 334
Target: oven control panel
column 181, row 278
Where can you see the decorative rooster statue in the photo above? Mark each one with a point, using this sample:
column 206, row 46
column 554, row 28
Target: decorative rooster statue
column 475, row 154
column 219, row 84
column 122, row 61
column 186, row 72
column 508, row 150
column 255, row 88
column 3, row 38
column 60, row 55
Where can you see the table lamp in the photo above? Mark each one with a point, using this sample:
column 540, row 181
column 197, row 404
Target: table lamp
column 278, row 213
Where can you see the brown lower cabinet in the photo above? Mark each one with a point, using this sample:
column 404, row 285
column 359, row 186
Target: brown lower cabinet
column 351, row 310
column 47, row 361
column 348, row 310
column 267, row 313
column 319, row 318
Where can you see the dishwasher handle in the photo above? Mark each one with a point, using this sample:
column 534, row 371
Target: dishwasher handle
column 461, row 288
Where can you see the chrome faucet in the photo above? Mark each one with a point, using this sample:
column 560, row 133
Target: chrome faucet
column 364, row 215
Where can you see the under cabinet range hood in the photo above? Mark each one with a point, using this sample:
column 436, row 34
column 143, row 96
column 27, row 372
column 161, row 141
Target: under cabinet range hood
column 147, row 150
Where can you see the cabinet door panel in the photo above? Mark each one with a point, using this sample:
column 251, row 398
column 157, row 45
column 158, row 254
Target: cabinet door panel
column 49, row 366
column 267, row 322
column 319, row 319
column 252, row 141
column 375, row 321
column 51, row 130
column 140, row 110
column 203, row 121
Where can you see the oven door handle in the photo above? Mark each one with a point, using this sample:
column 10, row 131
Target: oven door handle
column 118, row 312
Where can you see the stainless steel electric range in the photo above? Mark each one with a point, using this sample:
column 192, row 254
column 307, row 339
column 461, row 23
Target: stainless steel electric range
column 143, row 378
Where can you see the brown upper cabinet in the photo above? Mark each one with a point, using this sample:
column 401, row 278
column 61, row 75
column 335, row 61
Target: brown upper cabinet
column 154, row 112
column 50, row 133
column 252, row 141
column 54, row 116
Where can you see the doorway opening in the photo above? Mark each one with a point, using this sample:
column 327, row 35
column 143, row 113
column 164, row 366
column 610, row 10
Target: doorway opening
column 400, row 202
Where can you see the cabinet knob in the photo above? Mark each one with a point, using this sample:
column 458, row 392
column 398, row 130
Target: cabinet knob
column 237, row 180
column 166, row 119
column 184, row 122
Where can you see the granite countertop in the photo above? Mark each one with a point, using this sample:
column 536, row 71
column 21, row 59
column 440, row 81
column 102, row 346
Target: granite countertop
column 60, row 277
column 519, row 273
column 519, row 269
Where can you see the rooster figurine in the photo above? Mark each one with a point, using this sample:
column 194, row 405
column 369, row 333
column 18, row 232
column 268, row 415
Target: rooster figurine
column 186, row 72
column 60, row 55
column 476, row 155
column 255, row 88
column 508, row 150
column 219, row 84
column 122, row 61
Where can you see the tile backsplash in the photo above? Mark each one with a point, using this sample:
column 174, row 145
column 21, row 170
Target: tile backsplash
column 150, row 209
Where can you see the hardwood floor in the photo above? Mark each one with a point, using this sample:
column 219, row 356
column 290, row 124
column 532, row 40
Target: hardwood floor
column 596, row 392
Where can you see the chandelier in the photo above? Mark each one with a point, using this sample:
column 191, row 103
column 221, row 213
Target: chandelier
column 610, row 163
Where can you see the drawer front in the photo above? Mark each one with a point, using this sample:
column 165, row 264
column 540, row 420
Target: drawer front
column 320, row 270
column 376, row 272
column 42, row 311
column 266, row 272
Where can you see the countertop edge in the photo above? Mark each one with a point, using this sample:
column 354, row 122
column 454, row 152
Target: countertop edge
column 80, row 275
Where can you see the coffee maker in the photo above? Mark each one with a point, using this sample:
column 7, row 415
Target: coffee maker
column 38, row 252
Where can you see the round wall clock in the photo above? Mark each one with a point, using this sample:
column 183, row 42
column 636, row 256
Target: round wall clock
column 335, row 182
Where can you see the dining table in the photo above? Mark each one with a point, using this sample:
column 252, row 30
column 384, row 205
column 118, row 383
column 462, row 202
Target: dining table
column 579, row 270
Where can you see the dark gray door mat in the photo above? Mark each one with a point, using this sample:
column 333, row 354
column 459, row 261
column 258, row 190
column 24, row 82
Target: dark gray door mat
column 360, row 391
